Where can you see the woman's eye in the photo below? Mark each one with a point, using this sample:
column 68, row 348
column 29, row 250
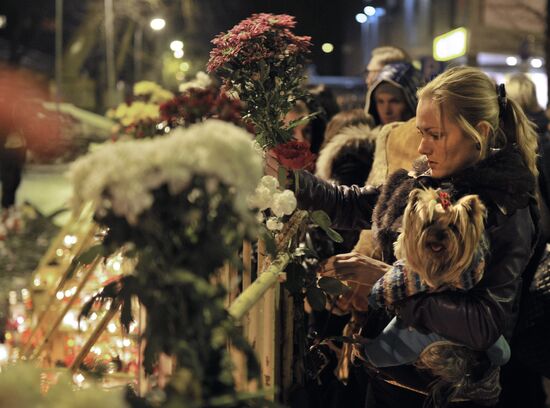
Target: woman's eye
column 435, row 136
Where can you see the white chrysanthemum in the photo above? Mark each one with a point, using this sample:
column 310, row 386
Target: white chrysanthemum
column 274, row 224
column 284, row 203
column 121, row 176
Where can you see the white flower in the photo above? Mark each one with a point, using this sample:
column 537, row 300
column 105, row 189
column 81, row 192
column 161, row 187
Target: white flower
column 283, row 203
column 261, row 199
column 273, row 224
column 121, row 176
column 270, row 182
column 202, row 80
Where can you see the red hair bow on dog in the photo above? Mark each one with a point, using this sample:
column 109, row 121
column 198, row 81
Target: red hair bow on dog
column 444, row 199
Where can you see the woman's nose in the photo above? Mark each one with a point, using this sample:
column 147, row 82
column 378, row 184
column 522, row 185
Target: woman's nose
column 425, row 147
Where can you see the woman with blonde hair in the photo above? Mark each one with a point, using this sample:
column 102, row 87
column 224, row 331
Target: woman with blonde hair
column 474, row 140
column 522, row 90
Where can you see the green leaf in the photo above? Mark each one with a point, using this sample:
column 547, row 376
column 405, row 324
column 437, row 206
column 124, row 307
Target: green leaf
column 302, row 121
column 335, row 236
column 316, row 298
column 332, row 286
column 295, row 277
column 90, row 254
column 321, row 218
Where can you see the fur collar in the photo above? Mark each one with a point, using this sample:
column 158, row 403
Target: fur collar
column 350, row 136
column 502, row 180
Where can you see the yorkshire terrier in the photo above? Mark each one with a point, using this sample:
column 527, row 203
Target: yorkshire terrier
column 439, row 239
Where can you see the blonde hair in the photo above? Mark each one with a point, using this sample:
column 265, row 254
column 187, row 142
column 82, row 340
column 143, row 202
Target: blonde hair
column 468, row 97
column 522, row 90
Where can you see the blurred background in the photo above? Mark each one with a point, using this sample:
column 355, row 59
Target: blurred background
column 91, row 52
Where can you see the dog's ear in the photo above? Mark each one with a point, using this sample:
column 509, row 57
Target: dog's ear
column 473, row 211
column 473, row 206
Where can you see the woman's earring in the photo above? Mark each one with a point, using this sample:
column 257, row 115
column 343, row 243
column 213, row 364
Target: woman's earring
column 478, row 146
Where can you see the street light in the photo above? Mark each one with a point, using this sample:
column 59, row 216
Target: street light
column 157, row 24
column 536, row 63
column 176, row 45
column 178, row 53
column 327, row 48
column 370, row 11
column 361, row 18
column 511, row 61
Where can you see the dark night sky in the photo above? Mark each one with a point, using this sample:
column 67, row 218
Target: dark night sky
column 31, row 23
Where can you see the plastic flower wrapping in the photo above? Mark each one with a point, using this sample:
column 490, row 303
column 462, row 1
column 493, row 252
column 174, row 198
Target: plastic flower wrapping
column 263, row 62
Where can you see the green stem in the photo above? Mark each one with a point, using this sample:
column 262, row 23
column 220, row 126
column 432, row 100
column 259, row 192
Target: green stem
column 254, row 292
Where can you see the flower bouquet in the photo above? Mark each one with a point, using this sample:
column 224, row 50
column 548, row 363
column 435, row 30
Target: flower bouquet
column 179, row 203
column 197, row 104
column 140, row 116
column 262, row 61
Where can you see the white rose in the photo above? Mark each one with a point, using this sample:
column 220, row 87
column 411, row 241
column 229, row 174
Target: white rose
column 261, row 198
column 270, row 182
column 283, row 203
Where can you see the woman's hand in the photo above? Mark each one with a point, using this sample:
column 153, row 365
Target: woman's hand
column 355, row 268
column 359, row 272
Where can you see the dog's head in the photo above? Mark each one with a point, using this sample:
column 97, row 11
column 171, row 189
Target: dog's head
column 439, row 238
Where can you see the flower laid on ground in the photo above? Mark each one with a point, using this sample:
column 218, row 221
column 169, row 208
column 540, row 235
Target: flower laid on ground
column 262, row 61
column 152, row 92
column 139, row 117
column 198, row 104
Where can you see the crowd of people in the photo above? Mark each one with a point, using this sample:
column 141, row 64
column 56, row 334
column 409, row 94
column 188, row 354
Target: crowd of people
column 434, row 157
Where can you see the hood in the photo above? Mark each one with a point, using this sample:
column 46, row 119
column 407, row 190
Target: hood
column 402, row 75
column 351, row 142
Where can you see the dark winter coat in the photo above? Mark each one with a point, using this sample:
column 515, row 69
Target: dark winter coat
column 475, row 318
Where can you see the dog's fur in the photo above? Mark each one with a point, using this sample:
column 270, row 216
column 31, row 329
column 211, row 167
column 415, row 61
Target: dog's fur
column 439, row 243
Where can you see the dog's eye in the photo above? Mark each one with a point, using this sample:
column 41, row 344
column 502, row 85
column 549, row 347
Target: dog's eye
column 453, row 228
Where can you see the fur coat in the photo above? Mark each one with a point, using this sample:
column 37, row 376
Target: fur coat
column 347, row 157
